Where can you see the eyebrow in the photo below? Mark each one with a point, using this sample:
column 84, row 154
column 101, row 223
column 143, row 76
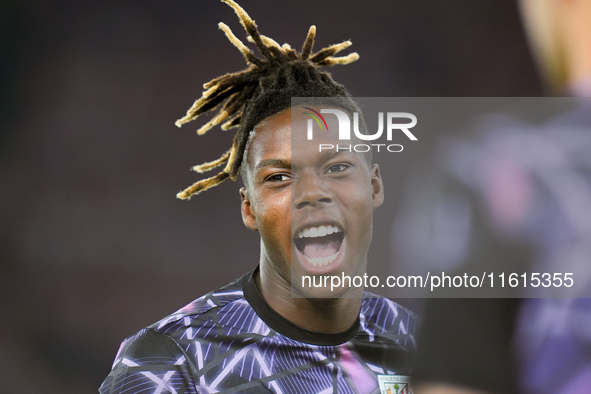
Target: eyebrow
column 329, row 154
column 281, row 163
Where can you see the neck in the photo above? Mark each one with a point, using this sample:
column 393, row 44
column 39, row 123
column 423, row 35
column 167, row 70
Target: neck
column 327, row 315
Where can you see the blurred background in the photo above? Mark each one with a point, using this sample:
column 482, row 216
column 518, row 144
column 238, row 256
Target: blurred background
column 93, row 243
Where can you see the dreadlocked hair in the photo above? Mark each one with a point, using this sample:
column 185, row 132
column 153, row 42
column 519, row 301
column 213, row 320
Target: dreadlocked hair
column 264, row 88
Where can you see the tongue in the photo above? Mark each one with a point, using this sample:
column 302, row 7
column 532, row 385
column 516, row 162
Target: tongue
column 315, row 249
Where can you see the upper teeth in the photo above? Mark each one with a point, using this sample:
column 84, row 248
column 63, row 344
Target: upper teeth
column 320, row 231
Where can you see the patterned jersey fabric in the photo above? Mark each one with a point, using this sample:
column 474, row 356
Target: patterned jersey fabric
column 231, row 341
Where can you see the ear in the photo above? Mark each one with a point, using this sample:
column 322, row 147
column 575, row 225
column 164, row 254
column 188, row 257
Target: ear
column 377, row 186
column 248, row 216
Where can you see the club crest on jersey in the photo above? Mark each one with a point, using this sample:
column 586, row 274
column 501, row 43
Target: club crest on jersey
column 395, row 384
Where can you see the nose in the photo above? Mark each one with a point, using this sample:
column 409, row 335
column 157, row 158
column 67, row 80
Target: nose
column 309, row 190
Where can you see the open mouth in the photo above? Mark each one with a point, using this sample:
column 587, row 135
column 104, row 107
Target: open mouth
column 320, row 245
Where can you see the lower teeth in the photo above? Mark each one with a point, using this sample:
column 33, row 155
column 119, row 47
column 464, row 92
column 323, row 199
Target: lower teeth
column 322, row 261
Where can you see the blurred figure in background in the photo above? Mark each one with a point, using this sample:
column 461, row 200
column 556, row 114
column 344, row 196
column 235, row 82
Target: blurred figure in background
column 528, row 193
column 559, row 32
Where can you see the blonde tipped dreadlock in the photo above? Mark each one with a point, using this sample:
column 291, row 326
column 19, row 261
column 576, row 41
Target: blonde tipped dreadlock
column 262, row 89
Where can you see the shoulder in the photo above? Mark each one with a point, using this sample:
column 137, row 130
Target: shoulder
column 213, row 306
column 147, row 347
column 165, row 337
column 224, row 315
column 163, row 348
column 386, row 341
column 382, row 316
column 149, row 360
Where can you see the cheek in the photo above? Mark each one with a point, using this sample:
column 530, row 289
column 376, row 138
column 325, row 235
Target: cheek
column 359, row 198
column 360, row 207
column 274, row 218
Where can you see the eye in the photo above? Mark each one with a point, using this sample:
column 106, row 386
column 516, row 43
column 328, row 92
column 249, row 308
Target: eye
column 277, row 178
column 336, row 168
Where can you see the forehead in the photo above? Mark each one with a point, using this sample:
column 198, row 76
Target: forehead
column 284, row 135
column 271, row 134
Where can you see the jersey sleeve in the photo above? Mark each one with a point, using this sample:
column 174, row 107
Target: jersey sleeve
column 150, row 362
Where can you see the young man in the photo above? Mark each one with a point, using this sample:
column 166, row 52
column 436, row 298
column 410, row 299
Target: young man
column 313, row 211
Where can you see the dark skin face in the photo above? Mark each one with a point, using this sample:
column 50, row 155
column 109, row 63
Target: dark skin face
column 294, row 194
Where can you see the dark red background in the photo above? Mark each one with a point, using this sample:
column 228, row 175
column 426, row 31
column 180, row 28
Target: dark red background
column 93, row 243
